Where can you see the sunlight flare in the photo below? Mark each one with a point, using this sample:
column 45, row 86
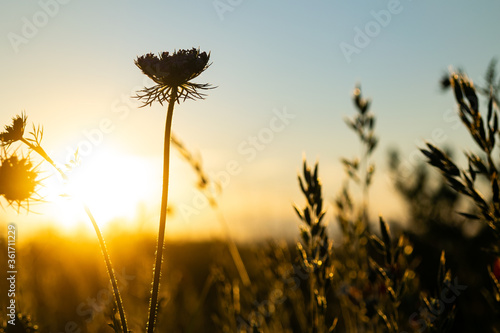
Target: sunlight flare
column 112, row 185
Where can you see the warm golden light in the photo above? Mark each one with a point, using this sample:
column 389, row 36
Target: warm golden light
column 110, row 184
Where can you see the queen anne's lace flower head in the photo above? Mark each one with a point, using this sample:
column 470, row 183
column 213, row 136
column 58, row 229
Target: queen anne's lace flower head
column 172, row 74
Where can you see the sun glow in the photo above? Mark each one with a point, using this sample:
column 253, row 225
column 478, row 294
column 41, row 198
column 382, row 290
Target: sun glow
column 111, row 185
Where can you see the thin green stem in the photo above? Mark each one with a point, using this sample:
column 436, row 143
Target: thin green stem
column 153, row 303
column 312, row 302
column 111, row 272
column 201, row 299
column 364, row 179
column 109, row 267
column 212, row 200
column 40, row 151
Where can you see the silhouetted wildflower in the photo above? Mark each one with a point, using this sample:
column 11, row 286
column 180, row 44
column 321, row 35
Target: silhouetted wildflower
column 173, row 72
column 18, row 180
column 15, row 131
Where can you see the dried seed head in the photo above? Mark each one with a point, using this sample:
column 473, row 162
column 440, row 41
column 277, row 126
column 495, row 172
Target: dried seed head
column 15, row 131
column 176, row 69
column 173, row 72
column 18, row 180
column 361, row 103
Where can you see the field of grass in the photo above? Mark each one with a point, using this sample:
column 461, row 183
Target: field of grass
column 63, row 287
column 67, row 282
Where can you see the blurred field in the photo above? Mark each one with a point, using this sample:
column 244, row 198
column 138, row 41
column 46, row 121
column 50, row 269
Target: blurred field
column 63, row 280
column 63, row 285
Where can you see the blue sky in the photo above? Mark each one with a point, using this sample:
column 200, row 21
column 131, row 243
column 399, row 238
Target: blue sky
column 77, row 69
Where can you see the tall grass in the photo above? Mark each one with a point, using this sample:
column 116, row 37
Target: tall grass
column 209, row 188
column 482, row 166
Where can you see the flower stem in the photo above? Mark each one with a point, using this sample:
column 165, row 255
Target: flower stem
column 40, row 151
column 153, row 303
column 109, row 267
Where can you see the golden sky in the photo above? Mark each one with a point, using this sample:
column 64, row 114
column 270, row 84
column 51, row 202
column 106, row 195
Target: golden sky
column 284, row 83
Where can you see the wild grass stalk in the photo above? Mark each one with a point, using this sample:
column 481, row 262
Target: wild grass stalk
column 371, row 276
column 352, row 260
column 315, row 250
column 210, row 188
column 483, row 129
column 360, row 170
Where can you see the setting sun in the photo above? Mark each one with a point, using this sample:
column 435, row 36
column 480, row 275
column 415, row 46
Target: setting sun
column 110, row 184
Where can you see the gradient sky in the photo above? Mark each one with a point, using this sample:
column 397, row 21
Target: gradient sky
column 76, row 69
